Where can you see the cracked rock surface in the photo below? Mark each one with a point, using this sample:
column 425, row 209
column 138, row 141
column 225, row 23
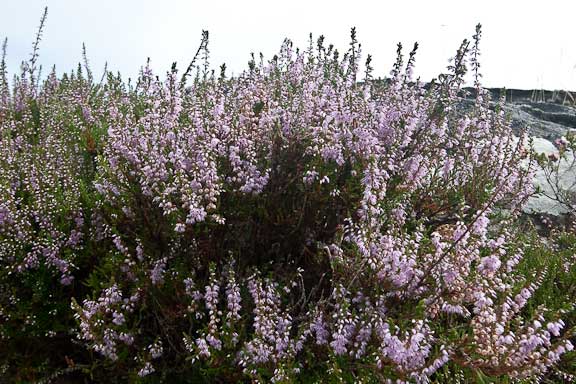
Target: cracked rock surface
column 549, row 116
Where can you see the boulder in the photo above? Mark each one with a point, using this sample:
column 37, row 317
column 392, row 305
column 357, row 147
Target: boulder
column 566, row 181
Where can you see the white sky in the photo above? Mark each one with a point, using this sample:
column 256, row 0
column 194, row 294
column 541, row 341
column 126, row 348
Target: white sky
column 526, row 44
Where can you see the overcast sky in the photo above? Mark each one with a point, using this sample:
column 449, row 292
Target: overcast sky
column 526, row 44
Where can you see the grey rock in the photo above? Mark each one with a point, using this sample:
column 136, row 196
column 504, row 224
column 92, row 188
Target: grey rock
column 548, row 115
column 565, row 180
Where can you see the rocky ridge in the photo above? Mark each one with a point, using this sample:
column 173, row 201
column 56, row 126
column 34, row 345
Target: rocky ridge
column 549, row 116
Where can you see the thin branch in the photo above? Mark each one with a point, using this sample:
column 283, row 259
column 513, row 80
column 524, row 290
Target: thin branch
column 3, row 73
column 36, row 48
column 203, row 47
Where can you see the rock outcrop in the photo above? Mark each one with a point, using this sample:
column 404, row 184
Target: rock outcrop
column 548, row 116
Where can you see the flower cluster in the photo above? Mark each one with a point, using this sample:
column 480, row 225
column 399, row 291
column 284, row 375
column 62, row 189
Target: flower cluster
column 41, row 214
column 102, row 322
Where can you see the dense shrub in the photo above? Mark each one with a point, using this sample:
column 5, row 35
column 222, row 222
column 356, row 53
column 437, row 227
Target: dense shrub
column 297, row 223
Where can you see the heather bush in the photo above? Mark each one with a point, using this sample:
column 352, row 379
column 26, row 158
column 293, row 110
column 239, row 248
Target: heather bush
column 301, row 222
